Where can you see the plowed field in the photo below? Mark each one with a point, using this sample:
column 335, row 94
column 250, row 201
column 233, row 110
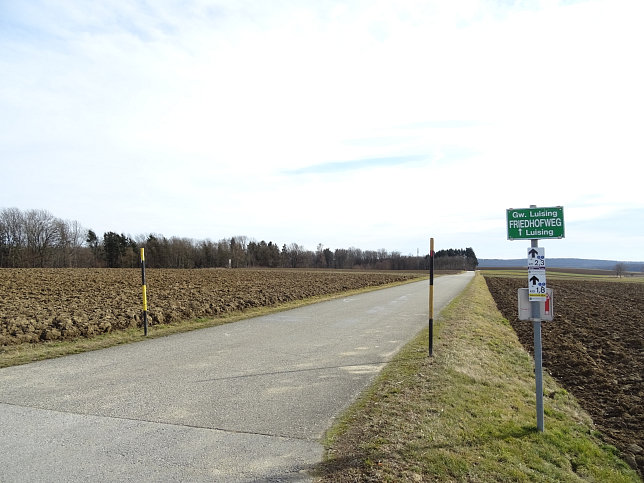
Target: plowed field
column 57, row 304
column 595, row 349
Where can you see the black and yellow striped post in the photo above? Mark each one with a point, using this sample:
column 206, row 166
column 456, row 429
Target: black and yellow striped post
column 145, row 294
column 431, row 296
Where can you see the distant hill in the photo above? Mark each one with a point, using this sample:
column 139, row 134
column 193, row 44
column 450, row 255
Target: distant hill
column 563, row 263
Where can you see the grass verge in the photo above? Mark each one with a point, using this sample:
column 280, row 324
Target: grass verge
column 25, row 353
column 467, row 414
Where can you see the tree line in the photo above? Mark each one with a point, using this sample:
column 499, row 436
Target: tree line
column 36, row 238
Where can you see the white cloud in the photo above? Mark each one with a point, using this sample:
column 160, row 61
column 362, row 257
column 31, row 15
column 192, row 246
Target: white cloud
column 200, row 112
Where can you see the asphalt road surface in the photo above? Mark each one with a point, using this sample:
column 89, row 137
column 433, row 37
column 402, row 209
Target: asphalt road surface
column 248, row 401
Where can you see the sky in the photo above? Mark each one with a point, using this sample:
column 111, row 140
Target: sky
column 370, row 124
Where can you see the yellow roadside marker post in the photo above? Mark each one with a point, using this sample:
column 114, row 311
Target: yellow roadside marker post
column 145, row 294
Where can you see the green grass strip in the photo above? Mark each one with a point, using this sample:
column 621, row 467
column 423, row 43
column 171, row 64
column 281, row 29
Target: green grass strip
column 467, row 414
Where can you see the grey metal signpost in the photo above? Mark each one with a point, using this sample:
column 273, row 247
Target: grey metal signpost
column 538, row 365
column 532, row 224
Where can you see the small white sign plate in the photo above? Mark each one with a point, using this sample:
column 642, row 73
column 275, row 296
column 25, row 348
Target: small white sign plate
column 537, row 284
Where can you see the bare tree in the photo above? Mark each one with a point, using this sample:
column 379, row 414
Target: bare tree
column 69, row 237
column 238, row 251
column 77, row 235
column 319, row 256
column 295, row 255
column 14, row 238
column 620, row 269
column 41, row 235
column 340, row 257
column 62, row 256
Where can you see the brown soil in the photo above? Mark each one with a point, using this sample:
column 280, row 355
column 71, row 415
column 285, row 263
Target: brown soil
column 595, row 349
column 57, row 304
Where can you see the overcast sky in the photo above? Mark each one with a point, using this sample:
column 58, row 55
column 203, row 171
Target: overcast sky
column 373, row 124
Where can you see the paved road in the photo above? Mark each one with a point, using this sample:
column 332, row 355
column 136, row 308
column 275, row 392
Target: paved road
column 247, row 401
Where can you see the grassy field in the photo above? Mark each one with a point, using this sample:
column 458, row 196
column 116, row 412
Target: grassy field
column 467, row 414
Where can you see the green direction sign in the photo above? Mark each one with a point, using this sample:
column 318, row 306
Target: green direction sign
column 535, row 223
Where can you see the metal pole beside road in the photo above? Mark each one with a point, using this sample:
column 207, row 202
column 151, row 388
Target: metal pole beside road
column 538, row 367
column 431, row 296
column 145, row 294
